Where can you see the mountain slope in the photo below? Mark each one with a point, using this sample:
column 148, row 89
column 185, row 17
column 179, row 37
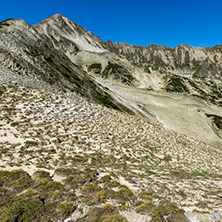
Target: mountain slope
column 27, row 53
column 95, row 131
column 79, row 156
column 83, row 48
column 60, row 54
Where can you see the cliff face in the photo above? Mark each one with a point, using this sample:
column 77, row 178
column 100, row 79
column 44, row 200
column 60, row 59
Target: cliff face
column 184, row 69
column 182, row 60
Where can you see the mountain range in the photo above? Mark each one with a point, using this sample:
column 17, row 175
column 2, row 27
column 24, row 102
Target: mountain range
column 176, row 90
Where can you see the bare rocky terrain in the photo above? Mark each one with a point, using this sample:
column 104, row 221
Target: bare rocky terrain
column 95, row 131
column 65, row 135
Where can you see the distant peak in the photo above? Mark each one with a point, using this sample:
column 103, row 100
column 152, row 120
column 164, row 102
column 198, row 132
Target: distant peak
column 56, row 18
column 16, row 23
column 157, row 47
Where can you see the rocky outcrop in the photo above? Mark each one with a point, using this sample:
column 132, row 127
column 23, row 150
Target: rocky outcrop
column 203, row 217
column 182, row 60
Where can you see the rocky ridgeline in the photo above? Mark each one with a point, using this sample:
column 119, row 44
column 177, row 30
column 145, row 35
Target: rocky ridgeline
column 181, row 60
column 59, row 49
column 184, row 69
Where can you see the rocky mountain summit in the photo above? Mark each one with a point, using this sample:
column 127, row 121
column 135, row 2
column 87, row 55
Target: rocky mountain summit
column 101, row 131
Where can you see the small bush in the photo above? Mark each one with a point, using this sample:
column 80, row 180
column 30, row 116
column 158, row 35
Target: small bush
column 101, row 195
column 95, row 66
column 112, row 218
column 90, row 188
column 146, row 207
column 167, row 158
column 14, row 124
column 31, row 143
column 66, row 208
column 107, row 209
column 169, row 211
column 42, row 174
column 125, row 193
column 106, row 178
column 146, row 195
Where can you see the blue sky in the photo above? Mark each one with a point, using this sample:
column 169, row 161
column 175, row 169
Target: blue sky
column 140, row 22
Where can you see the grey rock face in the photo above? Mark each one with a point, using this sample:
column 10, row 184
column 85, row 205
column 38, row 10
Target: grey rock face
column 183, row 60
column 26, row 52
column 187, row 69
column 83, row 47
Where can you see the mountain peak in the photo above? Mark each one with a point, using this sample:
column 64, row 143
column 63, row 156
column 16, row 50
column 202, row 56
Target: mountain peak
column 17, row 22
column 57, row 18
column 9, row 25
column 59, row 27
column 60, row 17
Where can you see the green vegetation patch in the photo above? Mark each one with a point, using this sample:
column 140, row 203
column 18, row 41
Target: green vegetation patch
column 112, row 218
column 96, row 67
column 106, row 178
column 66, row 208
column 8, row 176
column 125, row 193
column 110, row 69
column 107, row 209
column 14, row 124
column 41, row 174
column 31, row 143
column 23, row 198
column 15, row 180
column 118, row 72
column 167, row 212
column 2, row 90
column 146, row 195
column 90, row 188
column 216, row 119
column 39, row 199
column 21, row 210
column 176, row 84
column 146, row 207
column 107, row 213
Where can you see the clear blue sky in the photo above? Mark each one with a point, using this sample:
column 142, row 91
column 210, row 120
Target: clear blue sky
column 139, row 22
